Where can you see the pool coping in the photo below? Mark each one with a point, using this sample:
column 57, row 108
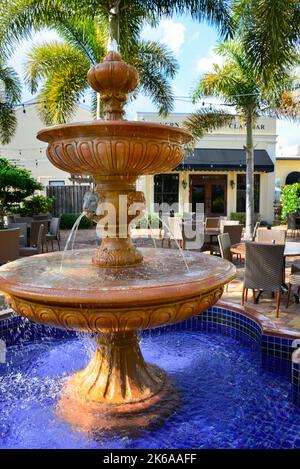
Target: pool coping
column 267, row 325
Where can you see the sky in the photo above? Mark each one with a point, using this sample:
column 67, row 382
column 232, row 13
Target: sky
column 193, row 46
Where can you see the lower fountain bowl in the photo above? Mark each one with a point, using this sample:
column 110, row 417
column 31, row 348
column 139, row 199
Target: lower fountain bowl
column 114, row 304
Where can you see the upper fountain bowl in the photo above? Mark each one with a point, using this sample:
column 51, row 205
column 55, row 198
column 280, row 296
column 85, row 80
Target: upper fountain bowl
column 114, row 148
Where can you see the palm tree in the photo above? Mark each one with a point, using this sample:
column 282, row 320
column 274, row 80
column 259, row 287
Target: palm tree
column 10, row 95
column 271, row 34
column 85, row 27
column 235, row 83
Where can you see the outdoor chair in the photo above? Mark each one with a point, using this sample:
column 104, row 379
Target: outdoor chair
column 35, row 232
column 263, row 270
column 235, row 232
column 271, row 236
column 294, row 280
column 33, row 250
column 42, row 216
column 54, row 234
column 23, row 232
column 224, row 246
column 224, row 222
column 212, row 223
column 256, row 227
column 27, row 220
column 293, row 222
column 175, row 231
column 9, row 245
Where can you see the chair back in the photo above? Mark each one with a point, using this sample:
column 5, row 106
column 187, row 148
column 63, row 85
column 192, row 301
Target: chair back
column 228, row 222
column 9, row 245
column 27, row 220
column 225, row 245
column 291, row 221
column 271, row 236
column 254, row 234
column 212, row 222
column 34, row 233
column 235, row 232
column 54, row 226
column 42, row 216
column 175, row 227
column 41, row 237
column 23, row 232
column 11, row 218
column 264, row 266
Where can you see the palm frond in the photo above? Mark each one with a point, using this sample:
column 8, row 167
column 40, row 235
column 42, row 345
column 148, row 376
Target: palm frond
column 48, row 59
column 8, row 123
column 11, row 84
column 206, row 120
column 270, row 32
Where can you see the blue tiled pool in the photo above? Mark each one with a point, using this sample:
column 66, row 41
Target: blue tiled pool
column 222, row 364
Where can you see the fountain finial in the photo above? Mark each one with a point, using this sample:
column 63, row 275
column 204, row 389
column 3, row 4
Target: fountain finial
column 113, row 79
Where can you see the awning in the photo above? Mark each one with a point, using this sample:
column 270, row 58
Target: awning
column 218, row 159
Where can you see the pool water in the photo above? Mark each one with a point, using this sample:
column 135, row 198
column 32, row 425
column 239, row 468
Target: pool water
column 227, row 399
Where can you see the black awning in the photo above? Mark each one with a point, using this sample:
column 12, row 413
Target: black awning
column 217, row 159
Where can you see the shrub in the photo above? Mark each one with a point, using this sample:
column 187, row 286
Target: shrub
column 35, row 205
column 241, row 217
column 147, row 221
column 67, row 221
column 290, row 199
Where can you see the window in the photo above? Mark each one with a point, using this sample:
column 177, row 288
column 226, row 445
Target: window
column 166, row 189
column 241, row 193
column 56, row 183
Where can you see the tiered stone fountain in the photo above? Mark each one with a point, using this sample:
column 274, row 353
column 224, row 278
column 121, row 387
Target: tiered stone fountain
column 115, row 290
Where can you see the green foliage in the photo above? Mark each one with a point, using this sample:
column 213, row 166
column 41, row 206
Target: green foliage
column 16, row 184
column 10, row 95
column 271, row 31
column 67, row 221
column 147, row 221
column 35, row 205
column 61, row 67
column 241, row 217
column 290, row 199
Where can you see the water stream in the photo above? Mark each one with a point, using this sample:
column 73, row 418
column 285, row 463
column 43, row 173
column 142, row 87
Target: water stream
column 73, row 234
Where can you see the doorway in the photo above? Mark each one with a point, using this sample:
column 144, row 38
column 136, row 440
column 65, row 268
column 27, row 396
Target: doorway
column 210, row 190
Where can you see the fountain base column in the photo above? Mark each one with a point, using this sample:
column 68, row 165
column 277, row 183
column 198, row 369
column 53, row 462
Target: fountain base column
column 118, row 389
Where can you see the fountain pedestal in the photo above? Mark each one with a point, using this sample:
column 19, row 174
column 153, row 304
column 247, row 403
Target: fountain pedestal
column 116, row 290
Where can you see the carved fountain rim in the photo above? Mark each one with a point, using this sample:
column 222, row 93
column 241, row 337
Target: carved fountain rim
column 171, row 291
column 117, row 128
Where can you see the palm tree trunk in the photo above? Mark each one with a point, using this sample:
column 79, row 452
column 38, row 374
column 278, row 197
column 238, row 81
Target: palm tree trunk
column 249, row 176
column 114, row 22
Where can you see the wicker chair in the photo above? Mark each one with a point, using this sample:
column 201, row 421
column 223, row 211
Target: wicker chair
column 269, row 236
column 23, row 232
column 228, row 222
column 235, row 232
column 54, row 234
column 9, row 245
column 263, row 270
column 38, row 249
column 212, row 223
column 35, row 232
column 254, row 234
column 224, row 246
column 293, row 224
column 27, row 220
column 294, row 280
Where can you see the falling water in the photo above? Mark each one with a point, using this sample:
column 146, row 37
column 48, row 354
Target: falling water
column 176, row 242
column 72, row 232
